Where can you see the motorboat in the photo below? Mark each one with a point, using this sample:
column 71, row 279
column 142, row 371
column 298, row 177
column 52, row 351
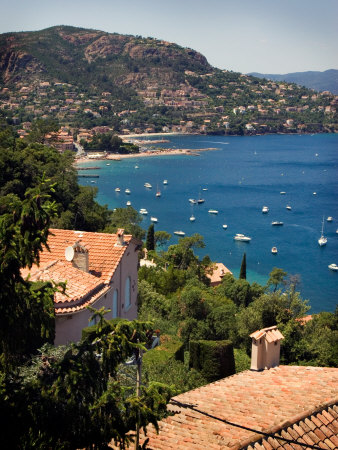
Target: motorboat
column 143, row 211
column 282, row 192
column 108, row 164
column 322, row 240
column 265, row 209
column 192, row 218
column 242, row 238
column 225, row 226
column 288, row 207
column 200, row 200
column 193, row 201
column 117, row 189
column 154, row 219
column 179, row 233
column 274, row 250
column 148, row 185
column 213, row 211
column 136, row 167
column 333, row 266
column 158, row 192
column 127, row 191
column 128, row 203
column 314, row 193
column 165, row 181
column 204, row 189
column 277, row 224
column 329, row 219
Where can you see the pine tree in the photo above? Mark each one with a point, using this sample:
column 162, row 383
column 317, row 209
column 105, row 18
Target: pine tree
column 242, row 273
column 150, row 243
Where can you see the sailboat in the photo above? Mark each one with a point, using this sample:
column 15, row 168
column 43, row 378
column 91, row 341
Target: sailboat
column 158, row 192
column 200, row 199
column 322, row 240
column 192, row 217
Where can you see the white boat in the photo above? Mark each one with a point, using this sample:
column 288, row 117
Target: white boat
column 242, row 238
column 154, row 219
column 333, row 266
column 127, row 191
column 225, row 226
column 200, row 200
column 158, row 192
column 329, row 219
column 204, row 189
column 337, row 230
column 276, row 223
column 192, row 218
column 322, row 240
column 274, row 250
column 107, row 164
column 288, row 207
column 148, row 185
column 213, row 211
column 143, row 211
column 314, row 193
column 265, row 209
column 128, row 203
column 179, row 233
column 136, row 167
column 165, row 181
column 193, row 201
column 117, row 190
column 282, row 192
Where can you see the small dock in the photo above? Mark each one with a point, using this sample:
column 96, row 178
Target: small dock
column 89, row 176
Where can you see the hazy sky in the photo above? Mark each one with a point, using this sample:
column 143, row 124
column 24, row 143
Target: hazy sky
column 269, row 36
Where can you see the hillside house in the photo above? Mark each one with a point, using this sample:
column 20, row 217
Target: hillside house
column 99, row 269
column 277, row 407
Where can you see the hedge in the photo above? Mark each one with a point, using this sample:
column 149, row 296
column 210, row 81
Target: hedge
column 213, row 359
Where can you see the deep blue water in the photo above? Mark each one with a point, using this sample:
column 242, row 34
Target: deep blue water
column 243, row 175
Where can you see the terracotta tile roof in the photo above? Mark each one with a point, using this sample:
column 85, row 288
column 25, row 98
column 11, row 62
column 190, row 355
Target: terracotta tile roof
column 218, row 273
column 104, row 253
column 271, row 334
column 286, row 397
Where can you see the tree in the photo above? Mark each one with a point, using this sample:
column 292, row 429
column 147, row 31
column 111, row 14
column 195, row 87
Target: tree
column 40, row 128
column 150, row 242
column 276, row 277
column 128, row 219
column 162, row 237
column 242, row 273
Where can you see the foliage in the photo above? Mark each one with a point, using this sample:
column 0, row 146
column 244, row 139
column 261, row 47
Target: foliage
column 242, row 360
column 239, row 291
column 128, row 219
column 81, row 381
column 161, row 238
column 150, row 242
column 276, row 278
column 41, row 128
column 26, row 308
column 214, row 359
column 110, row 143
column 242, row 272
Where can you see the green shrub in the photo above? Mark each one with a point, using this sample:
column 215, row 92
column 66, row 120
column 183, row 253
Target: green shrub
column 213, row 359
column 242, row 360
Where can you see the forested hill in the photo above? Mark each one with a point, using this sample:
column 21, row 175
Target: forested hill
column 86, row 78
column 320, row 81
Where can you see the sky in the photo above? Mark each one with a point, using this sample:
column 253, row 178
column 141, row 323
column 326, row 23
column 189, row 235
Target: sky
column 267, row 36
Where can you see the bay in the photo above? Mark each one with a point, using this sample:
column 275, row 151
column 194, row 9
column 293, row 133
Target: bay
column 241, row 176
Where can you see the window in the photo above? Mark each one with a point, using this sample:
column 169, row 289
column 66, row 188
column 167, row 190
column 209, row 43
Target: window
column 127, row 299
column 93, row 321
column 115, row 300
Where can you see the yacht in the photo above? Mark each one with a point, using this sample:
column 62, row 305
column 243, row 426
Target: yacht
column 213, row 211
column 158, row 192
column 192, row 218
column 165, row 181
column 136, row 167
column 282, row 192
column 117, row 190
column 314, row 193
column 276, row 223
column 200, row 200
column 265, row 209
column 333, row 266
column 107, row 164
column 179, row 233
column 225, row 226
column 329, row 219
column 322, row 240
column 143, row 211
column 128, row 203
column 154, row 219
column 274, row 250
column 127, row 191
column 288, row 207
column 242, row 238
column 193, row 201
column 148, row 185
column 204, row 189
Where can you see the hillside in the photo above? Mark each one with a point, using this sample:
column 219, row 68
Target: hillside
column 319, row 81
column 89, row 78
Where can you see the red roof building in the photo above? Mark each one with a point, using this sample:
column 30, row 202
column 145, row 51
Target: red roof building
column 99, row 269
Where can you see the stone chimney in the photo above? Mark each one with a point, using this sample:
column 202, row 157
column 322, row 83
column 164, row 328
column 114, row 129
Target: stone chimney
column 81, row 257
column 265, row 350
column 120, row 237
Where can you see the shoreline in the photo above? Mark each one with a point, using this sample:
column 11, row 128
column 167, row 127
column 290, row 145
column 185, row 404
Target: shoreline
column 165, row 152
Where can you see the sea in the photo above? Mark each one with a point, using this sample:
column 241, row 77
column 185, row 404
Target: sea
column 240, row 176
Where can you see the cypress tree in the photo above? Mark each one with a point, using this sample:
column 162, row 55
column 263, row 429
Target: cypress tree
column 150, row 243
column 242, row 273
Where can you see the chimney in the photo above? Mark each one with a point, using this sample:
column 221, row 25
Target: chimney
column 81, row 257
column 120, row 234
column 265, row 350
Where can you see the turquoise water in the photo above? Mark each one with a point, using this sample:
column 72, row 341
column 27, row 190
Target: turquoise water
column 243, row 175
